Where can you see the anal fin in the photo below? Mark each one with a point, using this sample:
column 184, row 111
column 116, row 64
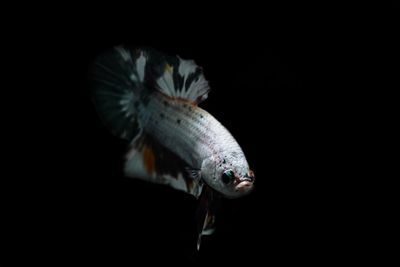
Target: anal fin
column 208, row 207
column 148, row 160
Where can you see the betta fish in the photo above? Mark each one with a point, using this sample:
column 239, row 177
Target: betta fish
column 151, row 99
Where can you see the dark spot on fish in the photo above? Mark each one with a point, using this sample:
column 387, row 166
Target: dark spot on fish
column 190, row 108
column 162, row 115
column 224, row 161
column 201, row 116
column 178, row 121
column 165, row 103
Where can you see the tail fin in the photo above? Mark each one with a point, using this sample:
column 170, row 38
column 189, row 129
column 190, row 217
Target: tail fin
column 118, row 82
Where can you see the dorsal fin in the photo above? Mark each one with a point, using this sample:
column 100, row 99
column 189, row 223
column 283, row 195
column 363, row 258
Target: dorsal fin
column 182, row 79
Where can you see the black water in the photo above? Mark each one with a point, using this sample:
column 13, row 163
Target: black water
column 270, row 88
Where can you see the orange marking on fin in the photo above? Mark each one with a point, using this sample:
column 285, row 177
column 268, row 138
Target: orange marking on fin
column 168, row 68
column 189, row 185
column 149, row 159
column 179, row 100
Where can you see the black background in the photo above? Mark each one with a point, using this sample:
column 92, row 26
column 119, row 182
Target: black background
column 274, row 80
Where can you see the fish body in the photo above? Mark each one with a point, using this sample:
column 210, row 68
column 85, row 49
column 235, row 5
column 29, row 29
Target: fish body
column 151, row 99
column 196, row 136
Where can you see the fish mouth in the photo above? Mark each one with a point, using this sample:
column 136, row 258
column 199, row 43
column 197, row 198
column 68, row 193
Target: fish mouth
column 250, row 179
column 244, row 185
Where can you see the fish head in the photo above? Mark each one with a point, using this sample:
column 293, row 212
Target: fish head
column 230, row 177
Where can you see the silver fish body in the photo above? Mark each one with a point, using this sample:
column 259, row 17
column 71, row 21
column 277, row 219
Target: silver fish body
column 198, row 138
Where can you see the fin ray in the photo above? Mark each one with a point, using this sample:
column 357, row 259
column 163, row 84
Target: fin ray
column 208, row 207
column 183, row 79
column 115, row 92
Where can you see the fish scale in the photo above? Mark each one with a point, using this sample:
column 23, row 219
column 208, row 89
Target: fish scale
column 208, row 134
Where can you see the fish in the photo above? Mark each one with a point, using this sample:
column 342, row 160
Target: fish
column 152, row 99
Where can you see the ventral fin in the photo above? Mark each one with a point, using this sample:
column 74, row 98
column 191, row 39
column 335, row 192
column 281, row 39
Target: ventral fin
column 208, row 207
column 148, row 160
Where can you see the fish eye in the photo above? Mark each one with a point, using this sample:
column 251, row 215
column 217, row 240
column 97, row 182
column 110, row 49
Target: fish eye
column 227, row 176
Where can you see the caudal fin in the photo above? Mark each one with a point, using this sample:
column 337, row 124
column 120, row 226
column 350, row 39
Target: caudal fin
column 118, row 77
